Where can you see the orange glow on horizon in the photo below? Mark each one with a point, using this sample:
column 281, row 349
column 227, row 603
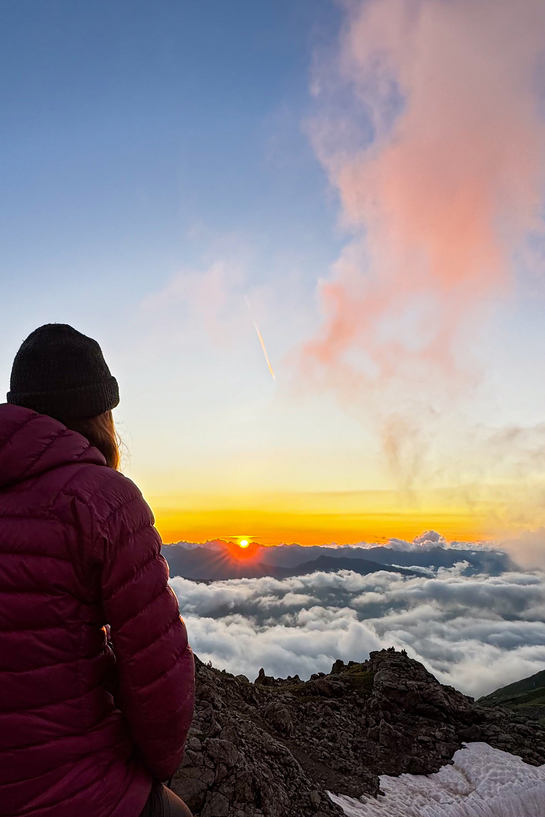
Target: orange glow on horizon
column 243, row 552
column 496, row 511
column 271, row 528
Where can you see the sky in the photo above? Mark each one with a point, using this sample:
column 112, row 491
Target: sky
column 362, row 181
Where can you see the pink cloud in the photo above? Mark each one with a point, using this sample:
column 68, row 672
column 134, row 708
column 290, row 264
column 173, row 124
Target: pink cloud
column 439, row 200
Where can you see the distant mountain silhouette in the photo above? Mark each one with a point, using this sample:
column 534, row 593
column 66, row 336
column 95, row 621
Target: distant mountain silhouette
column 206, row 564
column 329, row 563
column 218, row 560
column 480, row 560
column 491, row 562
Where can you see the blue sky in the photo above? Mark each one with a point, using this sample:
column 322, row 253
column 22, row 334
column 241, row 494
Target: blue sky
column 126, row 127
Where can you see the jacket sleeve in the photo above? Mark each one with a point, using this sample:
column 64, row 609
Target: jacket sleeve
column 154, row 661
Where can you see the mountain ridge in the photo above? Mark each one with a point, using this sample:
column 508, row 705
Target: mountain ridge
column 217, row 566
column 219, row 560
column 275, row 747
column 526, row 696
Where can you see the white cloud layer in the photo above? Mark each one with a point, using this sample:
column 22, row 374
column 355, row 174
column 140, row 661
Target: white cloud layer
column 476, row 633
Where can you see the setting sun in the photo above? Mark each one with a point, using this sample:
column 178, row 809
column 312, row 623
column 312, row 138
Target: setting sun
column 243, row 543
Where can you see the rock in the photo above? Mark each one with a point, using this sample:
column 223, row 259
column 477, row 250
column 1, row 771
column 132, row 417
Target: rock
column 323, row 687
column 222, row 751
column 200, row 773
column 278, row 716
column 194, row 744
column 191, row 790
column 217, row 805
column 264, row 680
column 273, row 748
column 471, row 734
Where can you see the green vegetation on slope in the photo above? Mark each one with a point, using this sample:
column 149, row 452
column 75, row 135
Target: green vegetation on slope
column 526, row 696
column 354, row 678
column 359, row 679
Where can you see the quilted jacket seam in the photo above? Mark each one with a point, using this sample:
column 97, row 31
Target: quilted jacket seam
column 145, row 607
column 47, row 513
column 72, row 477
column 188, row 696
column 129, row 581
column 33, row 629
column 128, row 539
column 166, row 672
column 35, row 777
column 58, row 433
column 25, row 553
column 61, row 701
column 154, row 640
column 67, row 736
column 101, row 487
column 87, row 500
column 77, row 495
column 120, row 507
column 48, row 666
column 45, row 471
column 19, row 428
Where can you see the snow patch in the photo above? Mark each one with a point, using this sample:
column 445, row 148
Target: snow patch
column 481, row 782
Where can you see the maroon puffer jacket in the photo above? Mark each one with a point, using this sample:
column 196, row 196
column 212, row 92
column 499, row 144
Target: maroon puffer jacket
column 78, row 550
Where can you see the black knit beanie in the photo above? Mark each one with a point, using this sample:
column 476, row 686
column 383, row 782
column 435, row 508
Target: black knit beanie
column 62, row 373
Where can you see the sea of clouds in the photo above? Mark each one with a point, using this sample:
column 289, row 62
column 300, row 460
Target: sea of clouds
column 476, row 632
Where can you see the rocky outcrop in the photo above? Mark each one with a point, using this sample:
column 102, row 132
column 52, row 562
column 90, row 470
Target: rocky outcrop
column 273, row 748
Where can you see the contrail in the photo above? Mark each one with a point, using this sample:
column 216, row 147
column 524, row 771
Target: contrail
column 262, row 342
column 264, row 351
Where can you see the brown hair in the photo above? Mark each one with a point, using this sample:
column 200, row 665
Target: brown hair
column 100, row 431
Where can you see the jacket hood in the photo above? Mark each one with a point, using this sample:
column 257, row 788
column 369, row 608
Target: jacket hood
column 32, row 443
